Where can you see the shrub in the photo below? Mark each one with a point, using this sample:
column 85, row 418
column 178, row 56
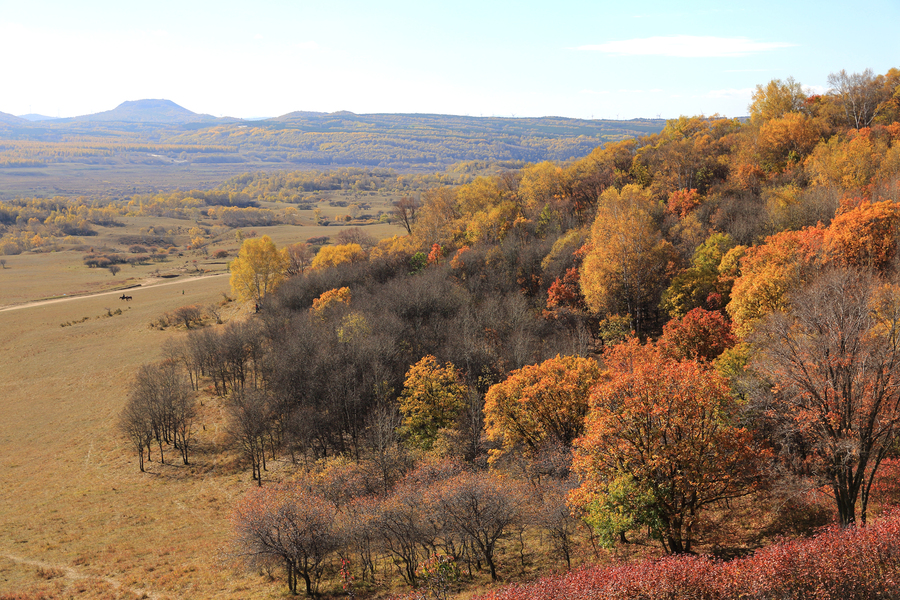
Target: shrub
column 838, row 564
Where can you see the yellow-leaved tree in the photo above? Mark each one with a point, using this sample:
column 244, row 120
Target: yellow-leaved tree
column 628, row 264
column 258, row 269
column 433, row 398
column 332, row 256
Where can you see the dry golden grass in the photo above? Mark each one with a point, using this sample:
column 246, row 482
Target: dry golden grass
column 77, row 518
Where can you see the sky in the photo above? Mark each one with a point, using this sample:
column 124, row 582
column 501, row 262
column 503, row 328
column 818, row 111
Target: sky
column 582, row 59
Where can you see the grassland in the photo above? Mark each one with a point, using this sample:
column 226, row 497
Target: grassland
column 77, row 518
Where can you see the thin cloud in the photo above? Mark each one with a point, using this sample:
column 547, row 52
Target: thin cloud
column 686, row 46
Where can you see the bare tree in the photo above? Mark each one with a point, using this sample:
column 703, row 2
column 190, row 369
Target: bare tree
column 404, row 529
column 114, row 269
column 387, row 457
column 552, row 512
column 160, row 407
column 135, row 425
column 405, row 210
column 249, row 424
column 355, row 235
column 299, row 257
column 859, row 94
column 483, row 509
column 834, row 362
column 290, row 525
column 189, row 314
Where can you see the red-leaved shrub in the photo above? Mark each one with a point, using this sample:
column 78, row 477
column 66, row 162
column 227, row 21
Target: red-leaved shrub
column 838, row 564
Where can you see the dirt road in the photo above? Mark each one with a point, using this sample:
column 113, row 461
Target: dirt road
column 147, row 283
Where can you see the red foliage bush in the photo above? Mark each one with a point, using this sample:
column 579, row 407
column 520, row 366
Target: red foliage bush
column 838, row 564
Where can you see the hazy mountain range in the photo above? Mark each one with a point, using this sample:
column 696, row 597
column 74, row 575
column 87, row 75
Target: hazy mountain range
column 321, row 139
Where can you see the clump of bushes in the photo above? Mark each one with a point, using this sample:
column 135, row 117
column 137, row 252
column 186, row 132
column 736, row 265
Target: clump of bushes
column 192, row 314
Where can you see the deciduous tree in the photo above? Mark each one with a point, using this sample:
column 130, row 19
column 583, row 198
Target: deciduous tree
column 405, row 210
column 770, row 271
column 433, row 398
column 258, row 269
column 483, row 508
column 699, row 335
column 669, row 428
column 858, row 94
column 833, row 359
column 540, row 404
column 331, row 256
column 777, row 99
column 629, row 263
column 289, row 525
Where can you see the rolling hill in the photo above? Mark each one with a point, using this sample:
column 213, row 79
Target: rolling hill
column 161, row 130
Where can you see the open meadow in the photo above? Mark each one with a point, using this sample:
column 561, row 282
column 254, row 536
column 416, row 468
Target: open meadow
column 78, row 519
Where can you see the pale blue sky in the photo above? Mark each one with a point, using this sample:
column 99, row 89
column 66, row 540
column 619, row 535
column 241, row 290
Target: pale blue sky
column 567, row 58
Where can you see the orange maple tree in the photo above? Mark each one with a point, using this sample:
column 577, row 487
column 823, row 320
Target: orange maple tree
column 660, row 445
column 699, row 335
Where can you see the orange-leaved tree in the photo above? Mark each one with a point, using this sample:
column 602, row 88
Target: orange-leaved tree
column 332, row 256
column 769, row 272
column 699, row 335
column 330, row 299
column 541, row 403
column 661, row 444
column 866, row 236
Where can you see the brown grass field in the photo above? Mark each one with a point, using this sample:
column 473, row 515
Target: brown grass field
column 77, row 518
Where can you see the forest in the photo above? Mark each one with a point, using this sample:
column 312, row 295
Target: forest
column 685, row 345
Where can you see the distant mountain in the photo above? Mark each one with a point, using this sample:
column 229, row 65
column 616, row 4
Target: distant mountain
column 148, row 111
column 399, row 141
column 495, row 128
column 34, row 117
column 10, row 119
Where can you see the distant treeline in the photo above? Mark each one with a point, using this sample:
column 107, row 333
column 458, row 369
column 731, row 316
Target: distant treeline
column 397, row 141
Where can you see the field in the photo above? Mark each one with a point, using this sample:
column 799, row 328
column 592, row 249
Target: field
column 77, row 518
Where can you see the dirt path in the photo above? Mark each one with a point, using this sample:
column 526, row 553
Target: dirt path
column 147, row 283
column 62, row 570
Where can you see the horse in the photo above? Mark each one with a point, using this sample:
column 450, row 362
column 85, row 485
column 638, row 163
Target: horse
column 124, row 297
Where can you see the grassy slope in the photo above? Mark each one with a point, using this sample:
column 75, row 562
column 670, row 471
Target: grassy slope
column 72, row 497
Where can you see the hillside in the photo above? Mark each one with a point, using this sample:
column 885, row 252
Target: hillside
column 161, row 128
column 8, row 118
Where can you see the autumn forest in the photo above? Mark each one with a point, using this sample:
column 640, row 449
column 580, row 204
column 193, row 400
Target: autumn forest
column 667, row 368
